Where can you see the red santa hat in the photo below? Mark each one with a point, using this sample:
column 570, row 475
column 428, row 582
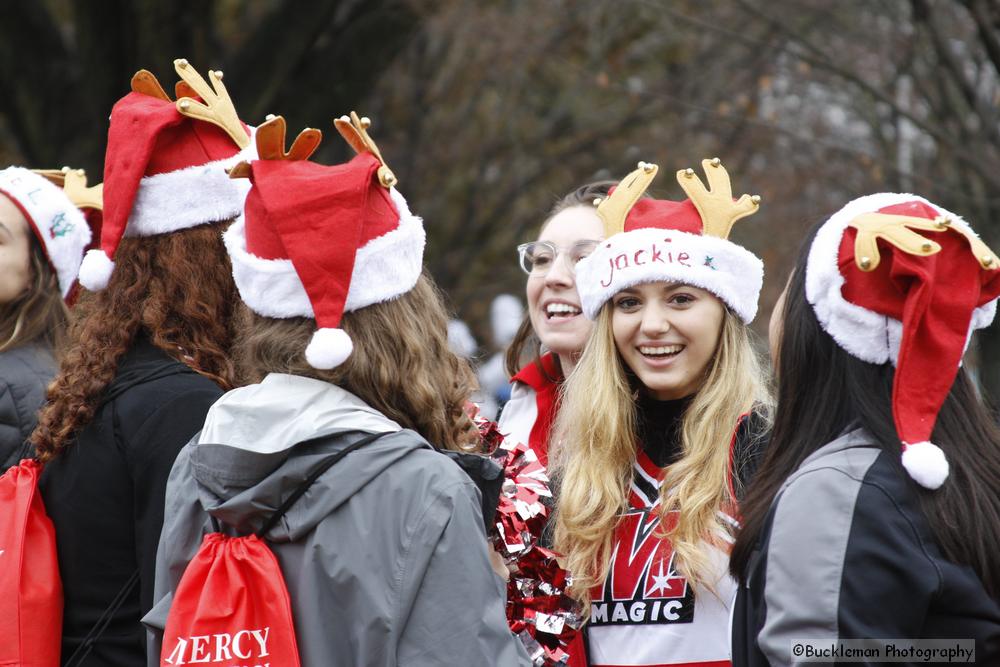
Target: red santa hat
column 895, row 278
column 650, row 240
column 60, row 210
column 318, row 241
column 165, row 167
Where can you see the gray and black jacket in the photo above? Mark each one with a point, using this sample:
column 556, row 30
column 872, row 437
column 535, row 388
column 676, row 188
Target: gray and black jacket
column 846, row 553
column 385, row 556
column 25, row 372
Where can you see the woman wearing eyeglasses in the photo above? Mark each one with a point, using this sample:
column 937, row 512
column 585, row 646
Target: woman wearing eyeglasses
column 555, row 329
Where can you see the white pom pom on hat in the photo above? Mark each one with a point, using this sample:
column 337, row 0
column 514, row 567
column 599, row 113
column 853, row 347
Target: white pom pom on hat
column 329, row 348
column 926, row 464
column 96, row 270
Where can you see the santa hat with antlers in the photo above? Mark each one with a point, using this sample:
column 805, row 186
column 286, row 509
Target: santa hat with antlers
column 318, row 241
column 895, row 278
column 650, row 240
column 165, row 167
column 61, row 211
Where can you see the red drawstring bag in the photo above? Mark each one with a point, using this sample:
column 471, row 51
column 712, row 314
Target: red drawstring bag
column 231, row 608
column 31, row 597
column 231, row 605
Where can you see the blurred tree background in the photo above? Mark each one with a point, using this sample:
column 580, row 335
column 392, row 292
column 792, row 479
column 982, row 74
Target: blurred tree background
column 489, row 110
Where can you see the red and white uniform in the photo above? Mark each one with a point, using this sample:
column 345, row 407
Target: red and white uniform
column 528, row 415
column 646, row 614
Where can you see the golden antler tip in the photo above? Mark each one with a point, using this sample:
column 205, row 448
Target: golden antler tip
column 926, row 247
column 181, row 62
column 366, row 122
column 865, row 263
column 988, row 261
column 597, row 201
column 65, row 170
column 218, row 74
column 81, row 172
column 716, row 162
column 755, row 199
column 184, row 105
column 269, row 117
column 345, row 119
column 942, row 222
column 688, row 173
column 647, row 167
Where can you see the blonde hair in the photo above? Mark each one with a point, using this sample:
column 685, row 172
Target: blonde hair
column 595, row 446
column 401, row 364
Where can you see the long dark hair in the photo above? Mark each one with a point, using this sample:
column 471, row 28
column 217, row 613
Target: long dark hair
column 525, row 341
column 823, row 390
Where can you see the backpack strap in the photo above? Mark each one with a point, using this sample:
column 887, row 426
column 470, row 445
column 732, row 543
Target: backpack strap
column 84, row 649
column 326, row 465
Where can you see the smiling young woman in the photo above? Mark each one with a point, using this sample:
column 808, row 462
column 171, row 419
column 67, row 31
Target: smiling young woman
column 555, row 320
column 660, row 426
column 666, row 334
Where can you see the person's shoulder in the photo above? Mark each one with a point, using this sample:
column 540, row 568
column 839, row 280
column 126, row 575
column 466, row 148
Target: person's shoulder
column 834, row 474
column 166, row 409
column 433, row 466
column 173, row 389
column 31, row 364
column 425, row 472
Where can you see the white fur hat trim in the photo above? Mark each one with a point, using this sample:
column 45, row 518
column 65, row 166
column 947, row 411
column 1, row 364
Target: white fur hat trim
column 729, row 271
column 386, row 267
column 58, row 224
column 190, row 197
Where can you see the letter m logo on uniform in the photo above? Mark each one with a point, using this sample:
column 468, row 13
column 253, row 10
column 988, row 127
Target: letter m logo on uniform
column 642, row 558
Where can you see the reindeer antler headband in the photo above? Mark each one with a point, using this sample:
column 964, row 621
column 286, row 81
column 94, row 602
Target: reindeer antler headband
column 653, row 240
column 215, row 105
column 74, row 184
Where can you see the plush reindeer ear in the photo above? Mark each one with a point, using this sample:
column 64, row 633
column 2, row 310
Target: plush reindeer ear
column 715, row 203
column 144, row 82
column 270, row 139
column 355, row 131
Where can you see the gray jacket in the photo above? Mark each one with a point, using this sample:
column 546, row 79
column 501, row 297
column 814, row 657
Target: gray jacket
column 384, row 556
column 25, row 372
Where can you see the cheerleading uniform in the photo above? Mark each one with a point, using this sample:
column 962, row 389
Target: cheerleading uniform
column 646, row 614
column 529, row 414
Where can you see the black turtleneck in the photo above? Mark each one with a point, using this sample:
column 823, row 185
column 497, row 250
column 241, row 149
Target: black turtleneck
column 659, row 428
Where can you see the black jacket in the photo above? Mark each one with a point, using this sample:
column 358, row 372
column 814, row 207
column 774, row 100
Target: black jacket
column 24, row 373
column 847, row 553
column 105, row 494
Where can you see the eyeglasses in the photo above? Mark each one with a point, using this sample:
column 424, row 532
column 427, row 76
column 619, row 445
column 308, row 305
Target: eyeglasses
column 538, row 257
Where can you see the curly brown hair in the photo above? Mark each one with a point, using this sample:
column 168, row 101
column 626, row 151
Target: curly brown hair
column 178, row 290
column 401, row 364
